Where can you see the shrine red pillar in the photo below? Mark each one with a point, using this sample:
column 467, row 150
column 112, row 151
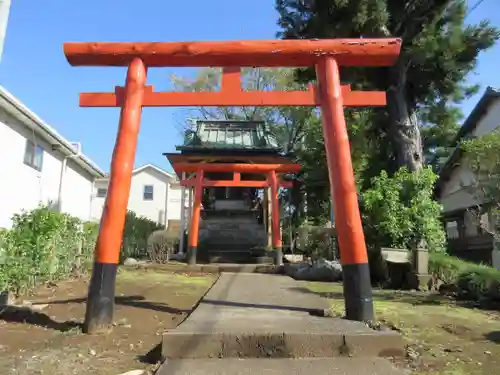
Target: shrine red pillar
column 275, row 212
column 101, row 295
column 195, row 219
column 353, row 255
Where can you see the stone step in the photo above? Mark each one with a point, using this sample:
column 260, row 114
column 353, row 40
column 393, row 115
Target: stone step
column 229, row 213
column 280, row 340
column 320, row 366
column 227, row 253
column 239, row 258
column 263, row 316
column 243, row 243
column 236, row 248
column 244, row 224
column 234, row 232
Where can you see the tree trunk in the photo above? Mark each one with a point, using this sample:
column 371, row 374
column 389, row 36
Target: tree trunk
column 403, row 128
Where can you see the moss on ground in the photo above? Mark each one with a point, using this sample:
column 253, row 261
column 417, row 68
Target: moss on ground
column 443, row 337
column 154, row 276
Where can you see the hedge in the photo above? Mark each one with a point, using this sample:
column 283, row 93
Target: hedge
column 44, row 245
column 135, row 236
column 472, row 281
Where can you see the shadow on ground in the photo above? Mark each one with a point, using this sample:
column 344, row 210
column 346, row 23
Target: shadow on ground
column 408, row 297
column 27, row 315
column 131, row 301
column 152, row 357
column 262, row 306
column 415, row 298
column 493, row 337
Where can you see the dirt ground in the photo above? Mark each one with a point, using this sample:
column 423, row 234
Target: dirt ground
column 49, row 340
column 443, row 337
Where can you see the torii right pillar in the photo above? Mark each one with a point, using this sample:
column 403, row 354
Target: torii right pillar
column 353, row 254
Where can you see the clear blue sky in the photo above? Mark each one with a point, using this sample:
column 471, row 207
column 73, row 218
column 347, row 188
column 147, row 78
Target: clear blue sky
column 34, row 69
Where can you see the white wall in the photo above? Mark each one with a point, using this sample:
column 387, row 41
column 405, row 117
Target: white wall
column 453, row 195
column 97, row 203
column 490, row 121
column 174, row 202
column 77, row 192
column 154, row 209
column 166, row 201
column 23, row 187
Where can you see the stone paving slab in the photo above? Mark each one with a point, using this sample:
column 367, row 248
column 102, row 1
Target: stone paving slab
column 270, row 316
column 261, row 290
column 337, row 366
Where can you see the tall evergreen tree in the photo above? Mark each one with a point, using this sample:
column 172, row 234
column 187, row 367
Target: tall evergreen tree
column 428, row 82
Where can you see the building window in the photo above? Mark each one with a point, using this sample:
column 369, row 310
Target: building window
column 33, row 155
column 148, row 193
column 452, row 230
column 101, row 192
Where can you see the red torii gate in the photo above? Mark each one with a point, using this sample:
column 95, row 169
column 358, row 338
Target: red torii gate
column 326, row 55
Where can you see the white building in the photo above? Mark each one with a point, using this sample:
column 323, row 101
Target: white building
column 154, row 194
column 40, row 166
column 465, row 229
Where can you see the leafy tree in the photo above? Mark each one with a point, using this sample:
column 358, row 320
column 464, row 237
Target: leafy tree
column 483, row 159
column 438, row 138
column 286, row 122
column 427, row 83
column 398, row 211
column 312, row 156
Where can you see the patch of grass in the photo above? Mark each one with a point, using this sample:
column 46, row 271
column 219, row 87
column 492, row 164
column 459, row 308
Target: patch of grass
column 320, row 287
column 194, row 280
column 397, row 303
column 176, row 263
column 153, row 276
column 451, row 339
column 454, row 370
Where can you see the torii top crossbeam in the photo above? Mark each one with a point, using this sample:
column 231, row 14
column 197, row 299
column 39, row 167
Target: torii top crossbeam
column 262, row 53
column 231, row 56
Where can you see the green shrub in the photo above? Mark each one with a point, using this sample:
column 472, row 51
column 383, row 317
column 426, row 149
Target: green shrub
column 135, row 236
column 44, row 245
column 90, row 233
column 474, row 281
column 316, row 242
column 161, row 244
column 399, row 211
column 447, row 268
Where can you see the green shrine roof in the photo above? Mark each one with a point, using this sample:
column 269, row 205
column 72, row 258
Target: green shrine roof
column 230, row 135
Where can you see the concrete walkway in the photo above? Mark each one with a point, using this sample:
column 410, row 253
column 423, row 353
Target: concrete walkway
column 269, row 324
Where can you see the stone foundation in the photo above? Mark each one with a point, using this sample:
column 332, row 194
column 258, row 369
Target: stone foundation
column 232, row 236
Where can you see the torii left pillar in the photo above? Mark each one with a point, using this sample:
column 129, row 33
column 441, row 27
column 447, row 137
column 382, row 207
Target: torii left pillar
column 101, row 296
